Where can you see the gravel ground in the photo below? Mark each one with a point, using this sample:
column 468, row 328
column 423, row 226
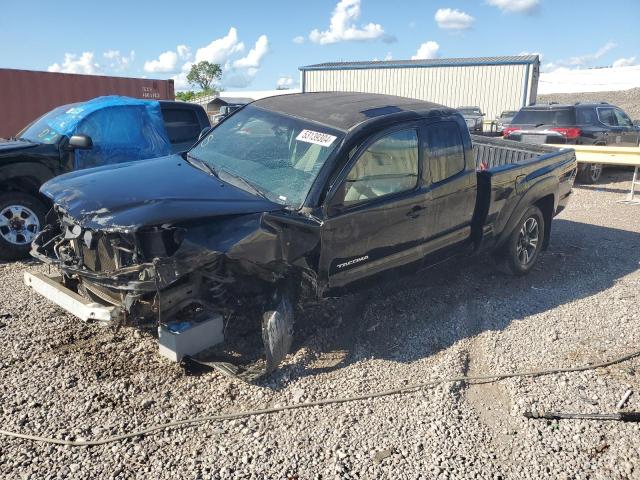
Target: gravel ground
column 66, row 379
column 628, row 100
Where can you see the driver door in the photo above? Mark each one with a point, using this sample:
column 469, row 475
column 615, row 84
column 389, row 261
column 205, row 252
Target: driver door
column 374, row 220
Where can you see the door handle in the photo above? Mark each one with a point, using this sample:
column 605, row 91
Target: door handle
column 415, row 211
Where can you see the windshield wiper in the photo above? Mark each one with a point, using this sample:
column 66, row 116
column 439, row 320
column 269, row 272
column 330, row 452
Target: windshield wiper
column 247, row 183
column 202, row 165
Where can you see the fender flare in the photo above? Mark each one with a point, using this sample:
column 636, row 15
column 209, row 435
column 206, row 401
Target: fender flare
column 542, row 188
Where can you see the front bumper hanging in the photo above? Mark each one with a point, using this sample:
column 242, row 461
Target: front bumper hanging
column 83, row 308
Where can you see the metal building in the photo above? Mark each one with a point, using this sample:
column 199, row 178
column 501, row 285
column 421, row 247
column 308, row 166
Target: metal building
column 493, row 83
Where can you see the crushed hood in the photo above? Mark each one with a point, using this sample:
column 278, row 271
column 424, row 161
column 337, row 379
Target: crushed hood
column 166, row 190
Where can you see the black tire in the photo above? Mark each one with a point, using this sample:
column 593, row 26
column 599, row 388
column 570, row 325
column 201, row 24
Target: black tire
column 518, row 255
column 18, row 224
column 590, row 173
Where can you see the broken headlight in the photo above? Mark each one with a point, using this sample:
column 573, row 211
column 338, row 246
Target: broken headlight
column 160, row 242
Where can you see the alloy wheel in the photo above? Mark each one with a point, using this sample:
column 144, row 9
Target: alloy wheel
column 528, row 241
column 18, row 224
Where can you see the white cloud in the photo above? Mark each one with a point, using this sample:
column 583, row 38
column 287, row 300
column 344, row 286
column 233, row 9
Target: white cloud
column 589, row 57
column 453, row 19
column 166, row 62
column 184, row 52
column 236, row 72
column 118, row 61
column 299, row 39
column 625, row 62
column 388, row 56
column 540, row 56
column 77, row 64
column 426, row 51
column 285, row 81
column 526, row 6
column 255, row 55
column 343, row 28
column 180, row 80
column 219, row 50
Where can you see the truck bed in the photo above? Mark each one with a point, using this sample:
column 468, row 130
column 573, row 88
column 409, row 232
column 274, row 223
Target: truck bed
column 508, row 172
column 497, row 152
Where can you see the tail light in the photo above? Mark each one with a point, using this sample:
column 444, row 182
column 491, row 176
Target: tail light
column 509, row 130
column 568, row 132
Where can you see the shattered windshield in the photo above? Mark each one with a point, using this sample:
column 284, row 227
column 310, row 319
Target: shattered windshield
column 278, row 155
column 40, row 131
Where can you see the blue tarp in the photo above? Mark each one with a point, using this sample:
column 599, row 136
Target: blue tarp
column 122, row 129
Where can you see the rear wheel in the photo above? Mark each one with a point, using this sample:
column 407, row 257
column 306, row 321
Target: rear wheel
column 521, row 251
column 21, row 217
column 590, row 174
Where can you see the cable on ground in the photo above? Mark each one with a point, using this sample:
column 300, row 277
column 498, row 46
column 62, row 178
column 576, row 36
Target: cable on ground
column 318, row 403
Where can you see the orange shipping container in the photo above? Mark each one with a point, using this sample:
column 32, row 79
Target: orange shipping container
column 26, row 94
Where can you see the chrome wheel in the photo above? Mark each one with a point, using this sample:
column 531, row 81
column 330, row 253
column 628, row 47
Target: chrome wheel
column 528, row 241
column 18, row 224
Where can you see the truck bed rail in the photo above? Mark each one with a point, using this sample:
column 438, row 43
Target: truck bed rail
column 495, row 152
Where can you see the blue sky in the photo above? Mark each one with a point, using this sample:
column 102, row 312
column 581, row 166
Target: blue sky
column 256, row 42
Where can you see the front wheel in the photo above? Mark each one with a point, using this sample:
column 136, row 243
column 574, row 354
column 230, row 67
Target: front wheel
column 521, row 251
column 21, row 217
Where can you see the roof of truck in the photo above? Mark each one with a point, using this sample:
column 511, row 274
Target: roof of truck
column 345, row 110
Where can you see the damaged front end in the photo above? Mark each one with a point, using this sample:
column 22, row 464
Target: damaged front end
column 196, row 283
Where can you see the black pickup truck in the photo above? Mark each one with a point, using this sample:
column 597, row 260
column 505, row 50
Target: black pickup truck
column 291, row 200
column 114, row 128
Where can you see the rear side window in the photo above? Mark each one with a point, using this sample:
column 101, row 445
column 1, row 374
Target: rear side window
column 555, row 116
column 445, row 150
column 181, row 124
column 586, row 116
column 607, row 116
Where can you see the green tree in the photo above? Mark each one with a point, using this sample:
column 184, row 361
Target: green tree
column 204, row 74
column 186, row 96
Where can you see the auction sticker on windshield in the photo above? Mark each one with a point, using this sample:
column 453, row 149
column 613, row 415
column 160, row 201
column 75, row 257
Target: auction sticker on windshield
column 318, row 138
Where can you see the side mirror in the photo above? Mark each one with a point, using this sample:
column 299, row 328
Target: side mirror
column 204, row 131
column 81, row 142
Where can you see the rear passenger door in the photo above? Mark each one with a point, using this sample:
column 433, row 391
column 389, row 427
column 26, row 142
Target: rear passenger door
column 183, row 127
column 450, row 178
